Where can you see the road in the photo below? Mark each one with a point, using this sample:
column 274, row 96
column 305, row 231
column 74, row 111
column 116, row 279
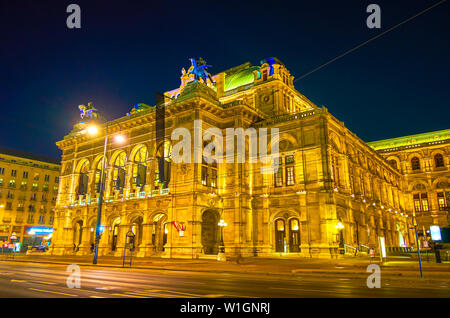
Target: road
column 49, row 280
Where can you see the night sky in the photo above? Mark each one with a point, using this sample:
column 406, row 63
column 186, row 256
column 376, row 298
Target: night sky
column 127, row 50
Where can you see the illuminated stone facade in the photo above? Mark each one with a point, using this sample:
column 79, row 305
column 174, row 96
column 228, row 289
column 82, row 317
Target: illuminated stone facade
column 28, row 192
column 332, row 191
column 424, row 161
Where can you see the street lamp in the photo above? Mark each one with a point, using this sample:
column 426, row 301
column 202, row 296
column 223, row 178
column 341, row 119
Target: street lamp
column 93, row 130
column 221, row 256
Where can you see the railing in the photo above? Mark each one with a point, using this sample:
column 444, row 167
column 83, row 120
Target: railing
column 287, row 117
column 349, row 248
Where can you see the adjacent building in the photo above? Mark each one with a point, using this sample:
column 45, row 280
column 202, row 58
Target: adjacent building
column 28, row 192
column 331, row 192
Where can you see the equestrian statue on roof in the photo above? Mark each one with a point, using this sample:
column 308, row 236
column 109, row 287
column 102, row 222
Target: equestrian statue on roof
column 198, row 69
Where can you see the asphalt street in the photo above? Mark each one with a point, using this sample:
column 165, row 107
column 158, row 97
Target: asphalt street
column 50, row 280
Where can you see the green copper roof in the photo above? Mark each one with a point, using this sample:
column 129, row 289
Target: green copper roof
column 240, row 78
column 433, row 136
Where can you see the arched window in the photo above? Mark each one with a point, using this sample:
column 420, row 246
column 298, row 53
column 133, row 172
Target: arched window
column 119, row 172
column 415, row 163
column 163, row 162
column 140, row 167
column 83, row 179
column 438, row 160
column 98, row 172
column 393, row 163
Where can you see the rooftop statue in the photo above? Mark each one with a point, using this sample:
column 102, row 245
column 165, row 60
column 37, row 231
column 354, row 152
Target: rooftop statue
column 88, row 112
column 198, row 69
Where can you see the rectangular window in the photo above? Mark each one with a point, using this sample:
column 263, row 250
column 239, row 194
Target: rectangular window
column 424, row 199
column 50, row 221
column 2, row 171
column 12, row 183
column 290, row 175
column 416, row 203
column 25, row 175
column 214, row 178
column 36, row 176
column 10, row 195
column 264, row 75
column 8, row 206
column 13, row 173
column 30, row 218
column 441, row 200
column 45, row 187
column 204, row 175
column 1, row 182
column 23, row 185
column 35, row 186
column 47, row 178
column 56, row 179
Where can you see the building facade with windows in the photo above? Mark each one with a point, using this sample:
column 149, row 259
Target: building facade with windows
column 424, row 161
column 331, row 192
column 28, row 192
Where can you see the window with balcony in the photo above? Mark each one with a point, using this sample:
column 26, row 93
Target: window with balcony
column 23, row 185
column 34, row 187
column 12, row 183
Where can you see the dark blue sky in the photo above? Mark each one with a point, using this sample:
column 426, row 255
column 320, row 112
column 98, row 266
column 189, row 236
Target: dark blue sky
column 127, row 50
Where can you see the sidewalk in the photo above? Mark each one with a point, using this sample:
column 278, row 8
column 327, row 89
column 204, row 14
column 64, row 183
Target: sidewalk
column 270, row 266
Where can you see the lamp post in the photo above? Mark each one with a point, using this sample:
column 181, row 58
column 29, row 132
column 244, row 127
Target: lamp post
column 221, row 256
column 99, row 229
column 417, row 244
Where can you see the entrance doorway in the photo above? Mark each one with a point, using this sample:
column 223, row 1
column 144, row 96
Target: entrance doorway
column 210, row 232
column 280, row 236
column 77, row 235
column 159, row 231
column 115, row 234
column 294, row 236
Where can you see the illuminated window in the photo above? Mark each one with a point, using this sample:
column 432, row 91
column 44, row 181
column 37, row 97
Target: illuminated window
column 279, row 174
column 23, row 185
column 209, row 171
column 416, row 202
column 119, row 171
column 294, row 225
column 424, row 201
column 1, row 182
column 290, row 170
column 45, row 187
column 439, row 160
column 280, row 225
column 34, row 187
column 415, row 163
column 441, row 200
column 12, row 183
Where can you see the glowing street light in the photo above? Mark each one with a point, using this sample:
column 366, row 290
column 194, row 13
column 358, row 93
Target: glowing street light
column 221, row 256
column 339, row 225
